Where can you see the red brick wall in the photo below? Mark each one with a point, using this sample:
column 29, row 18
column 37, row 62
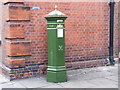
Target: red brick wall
column 86, row 29
column 86, row 36
column 116, row 31
column 119, row 27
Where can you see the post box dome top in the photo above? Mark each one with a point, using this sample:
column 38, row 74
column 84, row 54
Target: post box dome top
column 56, row 13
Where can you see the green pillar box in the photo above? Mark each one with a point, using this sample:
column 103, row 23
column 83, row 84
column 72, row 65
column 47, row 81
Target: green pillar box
column 56, row 71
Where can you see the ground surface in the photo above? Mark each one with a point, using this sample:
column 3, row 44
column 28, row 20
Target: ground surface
column 98, row 77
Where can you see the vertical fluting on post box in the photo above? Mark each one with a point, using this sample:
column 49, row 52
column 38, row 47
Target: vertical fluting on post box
column 56, row 71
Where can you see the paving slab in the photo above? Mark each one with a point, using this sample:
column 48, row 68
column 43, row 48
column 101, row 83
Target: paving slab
column 7, row 85
column 3, row 79
column 14, row 89
column 18, row 85
column 90, row 75
column 77, row 84
column 114, row 78
column 101, row 89
column 36, row 82
column 53, row 86
column 103, row 83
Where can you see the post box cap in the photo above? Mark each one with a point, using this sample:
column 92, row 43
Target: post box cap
column 56, row 13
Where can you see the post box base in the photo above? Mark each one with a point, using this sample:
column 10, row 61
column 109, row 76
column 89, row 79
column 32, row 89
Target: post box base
column 56, row 77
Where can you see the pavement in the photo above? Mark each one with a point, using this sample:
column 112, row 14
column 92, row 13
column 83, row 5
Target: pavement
column 97, row 77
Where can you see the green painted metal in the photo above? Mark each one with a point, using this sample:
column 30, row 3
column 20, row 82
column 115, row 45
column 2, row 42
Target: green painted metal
column 56, row 71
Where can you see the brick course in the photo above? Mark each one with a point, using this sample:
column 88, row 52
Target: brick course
column 18, row 49
column 15, row 31
column 14, row 63
column 14, row 13
column 7, row 1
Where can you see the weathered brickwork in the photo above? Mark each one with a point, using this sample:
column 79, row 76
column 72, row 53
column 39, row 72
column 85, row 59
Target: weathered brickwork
column 116, row 31
column 7, row 1
column 86, row 36
column 15, row 63
column 119, row 27
column 18, row 49
column 15, row 31
column 14, row 13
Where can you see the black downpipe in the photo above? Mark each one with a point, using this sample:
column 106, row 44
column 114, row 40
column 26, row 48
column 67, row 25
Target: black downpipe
column 111, row 33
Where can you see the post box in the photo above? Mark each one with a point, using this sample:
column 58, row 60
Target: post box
column 56, row 71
